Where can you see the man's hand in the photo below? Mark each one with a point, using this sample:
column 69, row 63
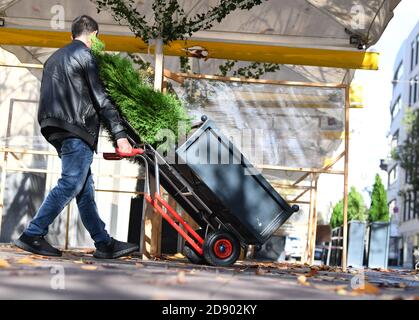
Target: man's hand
column 123, row 145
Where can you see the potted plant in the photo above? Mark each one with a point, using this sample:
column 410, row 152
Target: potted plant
column 379, row 227
column 356, row 230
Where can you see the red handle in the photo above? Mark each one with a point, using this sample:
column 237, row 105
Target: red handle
column 117, row 155
column 133, row 153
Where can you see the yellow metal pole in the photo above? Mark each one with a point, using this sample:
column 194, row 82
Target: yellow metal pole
column 314, row 223
column 345, row 184
column 347, row 59
column 2, row 185
column 307, row 255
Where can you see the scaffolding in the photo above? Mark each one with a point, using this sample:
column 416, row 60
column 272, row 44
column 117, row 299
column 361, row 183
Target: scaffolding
column 299, row 174
column 301, row 180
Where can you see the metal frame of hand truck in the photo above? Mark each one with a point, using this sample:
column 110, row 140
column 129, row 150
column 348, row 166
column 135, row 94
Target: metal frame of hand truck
column 180, row 189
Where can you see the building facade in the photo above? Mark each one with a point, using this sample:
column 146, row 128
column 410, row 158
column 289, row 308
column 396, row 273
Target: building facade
column 403, row 206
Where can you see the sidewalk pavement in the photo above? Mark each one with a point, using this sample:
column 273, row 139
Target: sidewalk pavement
column 77, row 275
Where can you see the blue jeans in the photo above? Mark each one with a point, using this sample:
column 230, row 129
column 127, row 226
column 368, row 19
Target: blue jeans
column 76, row 181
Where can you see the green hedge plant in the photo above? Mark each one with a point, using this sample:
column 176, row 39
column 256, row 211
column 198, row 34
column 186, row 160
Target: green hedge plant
column 356, row 209
column 148, row 111
column 379, row 207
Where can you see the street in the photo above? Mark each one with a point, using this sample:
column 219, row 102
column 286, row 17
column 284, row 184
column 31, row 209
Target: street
column 77, row 275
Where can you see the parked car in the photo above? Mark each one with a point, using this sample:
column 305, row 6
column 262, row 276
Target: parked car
column 294, row 248
column 318, row 254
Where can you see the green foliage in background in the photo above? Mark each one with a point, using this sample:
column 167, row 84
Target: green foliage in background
column 407, row 153
column 254, row 70
column 146, row 110
column 185, row 67
column 356, row 209
column 337, row 215
column 379, row 208
column 170, row 20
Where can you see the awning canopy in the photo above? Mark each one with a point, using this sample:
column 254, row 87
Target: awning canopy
column 316, row 40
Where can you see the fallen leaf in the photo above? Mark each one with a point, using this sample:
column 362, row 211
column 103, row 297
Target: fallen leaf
column 311, row 273
column 303, row 280
column 342, row 292
column 35, row 256
column 221, row 279
column 4, row 264
column 181, row 277
column 368, row 288
column 79, row 261
column 259, row 271
column 27, row 261
column 382, row 270
column 325, row 267
column 334, row 288
column 240, row 270
column 89, row 267
column 179, row 256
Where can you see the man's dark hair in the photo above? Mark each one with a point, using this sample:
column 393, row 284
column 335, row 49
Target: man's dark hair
column 83, row 25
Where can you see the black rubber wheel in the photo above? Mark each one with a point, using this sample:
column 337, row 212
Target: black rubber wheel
column 221, row 248
column 190, row 252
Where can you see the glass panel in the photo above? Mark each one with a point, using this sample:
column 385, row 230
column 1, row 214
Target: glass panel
column 292, row 126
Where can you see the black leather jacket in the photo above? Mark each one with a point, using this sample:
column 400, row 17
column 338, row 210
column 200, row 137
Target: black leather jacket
column 73, row 97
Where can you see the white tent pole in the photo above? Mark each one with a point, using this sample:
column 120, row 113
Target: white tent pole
column 158, row 65
column 345, row 183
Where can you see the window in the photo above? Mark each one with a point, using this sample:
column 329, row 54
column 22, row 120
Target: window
column 395, row 140
column 396, row 108
column 411, row 171
column 411, row 89
column 417, row 49
column 411, row 207
column 412, row 56
column 417, row 88
column 394, row 143
column 392, row 175
column 416, row 211
column 408, row 176
column 392, row 207
column 399, row 73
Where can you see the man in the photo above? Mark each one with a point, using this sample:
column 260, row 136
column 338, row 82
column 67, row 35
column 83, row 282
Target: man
column 72, row 100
